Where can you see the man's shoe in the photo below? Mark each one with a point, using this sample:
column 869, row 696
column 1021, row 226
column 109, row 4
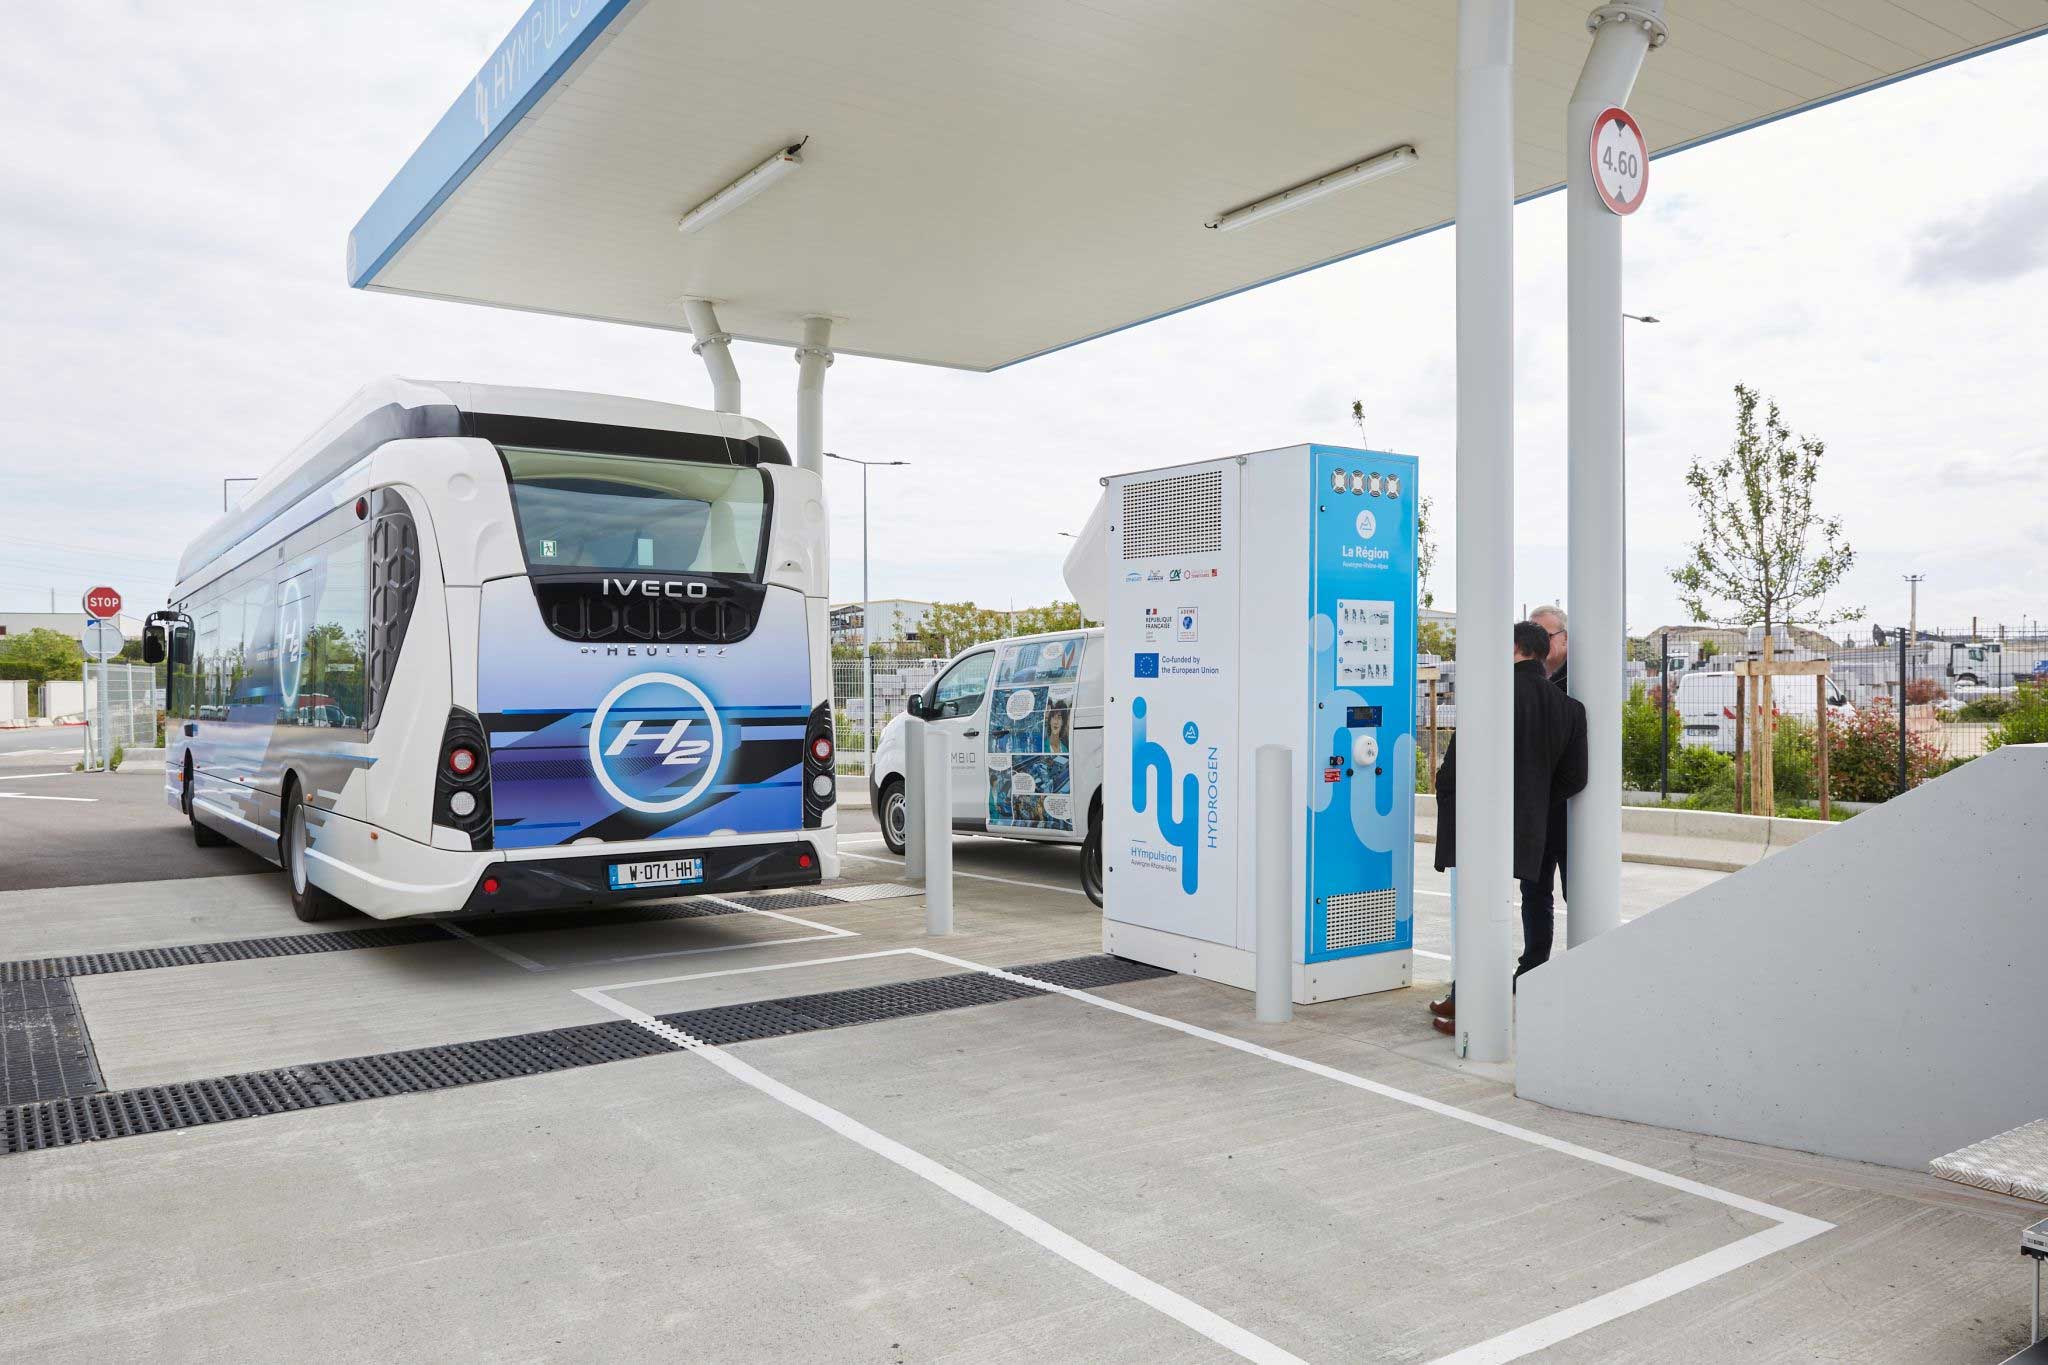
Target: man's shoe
column 1446, row 1008
column 1447, row 1027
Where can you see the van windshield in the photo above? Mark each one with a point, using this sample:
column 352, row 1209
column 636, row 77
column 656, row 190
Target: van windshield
column 578, row 510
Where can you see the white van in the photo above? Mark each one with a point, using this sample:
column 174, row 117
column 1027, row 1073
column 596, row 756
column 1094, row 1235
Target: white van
column 1706, row 706
column 1024, row 718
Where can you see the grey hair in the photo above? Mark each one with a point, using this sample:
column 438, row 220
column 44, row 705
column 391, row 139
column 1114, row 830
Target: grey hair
column 1563, row 622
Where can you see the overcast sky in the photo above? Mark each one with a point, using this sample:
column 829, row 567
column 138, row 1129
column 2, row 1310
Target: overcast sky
column 180, row 180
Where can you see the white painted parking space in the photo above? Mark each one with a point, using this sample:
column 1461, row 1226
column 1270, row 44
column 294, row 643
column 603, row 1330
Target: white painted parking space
column 1788, row 1228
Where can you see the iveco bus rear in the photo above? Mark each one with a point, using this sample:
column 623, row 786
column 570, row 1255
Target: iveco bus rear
column 475, row 648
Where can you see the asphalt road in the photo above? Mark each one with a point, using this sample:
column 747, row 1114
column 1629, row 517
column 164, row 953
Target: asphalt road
column 47, row 742
column 60, row 828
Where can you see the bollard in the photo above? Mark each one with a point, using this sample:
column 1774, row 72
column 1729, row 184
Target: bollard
column 914, row 732
column 937, row 816
column 1274, row 970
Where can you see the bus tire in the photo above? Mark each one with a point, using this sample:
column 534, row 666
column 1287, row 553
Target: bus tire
column 895, row 816
column 1091, row 857
column 309, row 902
column 202, row 837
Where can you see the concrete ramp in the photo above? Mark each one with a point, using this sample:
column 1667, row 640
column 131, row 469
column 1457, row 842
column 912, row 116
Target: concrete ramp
column 1877, row 992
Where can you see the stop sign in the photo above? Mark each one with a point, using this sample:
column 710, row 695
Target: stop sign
column 102, row 603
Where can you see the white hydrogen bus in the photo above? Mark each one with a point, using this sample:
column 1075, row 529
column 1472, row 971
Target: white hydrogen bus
column 479, row 649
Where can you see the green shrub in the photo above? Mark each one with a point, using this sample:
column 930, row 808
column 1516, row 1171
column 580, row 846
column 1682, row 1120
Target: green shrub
column 114, row 759
column 1696, row 768
column 2025, row 720
column 1795, row 774
column 1642, row 736
column 1863, row 755
column 1984, row 709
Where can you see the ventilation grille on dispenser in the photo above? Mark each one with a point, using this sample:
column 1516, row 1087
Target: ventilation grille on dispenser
column 1359, row 917
column 1182, row 515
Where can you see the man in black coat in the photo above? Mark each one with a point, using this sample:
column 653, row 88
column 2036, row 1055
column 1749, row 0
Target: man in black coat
column 1549, row 767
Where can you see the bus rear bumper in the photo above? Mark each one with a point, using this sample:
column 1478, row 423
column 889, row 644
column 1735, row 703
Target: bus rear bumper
column 562, row 883
column 386, row 876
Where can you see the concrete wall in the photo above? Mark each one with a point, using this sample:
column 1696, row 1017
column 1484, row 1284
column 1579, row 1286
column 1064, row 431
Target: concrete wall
column 1877, row 992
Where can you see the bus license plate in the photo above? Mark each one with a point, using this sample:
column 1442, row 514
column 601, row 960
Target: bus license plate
column 670, row 872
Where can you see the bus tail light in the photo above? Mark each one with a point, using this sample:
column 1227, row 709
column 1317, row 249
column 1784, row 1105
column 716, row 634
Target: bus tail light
column 462, row 784
column 821, row 780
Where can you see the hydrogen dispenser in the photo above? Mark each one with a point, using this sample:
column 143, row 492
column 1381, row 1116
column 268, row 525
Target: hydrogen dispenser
column 1262, row 599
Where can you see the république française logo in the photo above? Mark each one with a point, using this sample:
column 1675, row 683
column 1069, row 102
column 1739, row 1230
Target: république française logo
column 650, row 733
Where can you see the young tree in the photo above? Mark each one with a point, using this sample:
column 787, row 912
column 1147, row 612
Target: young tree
column 1425, row 542
column 1764, row 556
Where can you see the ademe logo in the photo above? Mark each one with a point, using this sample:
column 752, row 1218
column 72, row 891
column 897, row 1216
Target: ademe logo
column 1198, row 820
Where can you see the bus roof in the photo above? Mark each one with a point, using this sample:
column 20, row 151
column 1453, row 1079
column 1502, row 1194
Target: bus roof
column 392, row 409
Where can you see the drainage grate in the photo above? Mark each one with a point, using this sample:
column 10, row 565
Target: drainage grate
column 234, row 950
column 45, row 1053
column 191, row 1104
column 1086, row 973
column 784, row 900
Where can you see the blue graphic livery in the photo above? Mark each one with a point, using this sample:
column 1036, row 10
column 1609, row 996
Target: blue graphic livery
column 1150, row 759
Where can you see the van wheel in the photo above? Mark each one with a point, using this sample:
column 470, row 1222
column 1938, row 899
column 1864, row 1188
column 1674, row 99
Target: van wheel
column 309, row 902
column 1091, row 859
column 895, row 816
column 1968, row 680
column 202, row 837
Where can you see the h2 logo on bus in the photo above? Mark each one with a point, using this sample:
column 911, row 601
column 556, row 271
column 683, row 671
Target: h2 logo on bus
column 645, row 730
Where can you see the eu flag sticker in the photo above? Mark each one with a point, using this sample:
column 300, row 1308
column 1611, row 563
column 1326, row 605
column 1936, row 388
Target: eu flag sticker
column 1145, row 666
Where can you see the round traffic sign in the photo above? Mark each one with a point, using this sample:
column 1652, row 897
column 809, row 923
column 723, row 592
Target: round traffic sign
column 102, row 639
column 101, row 603
column 1621, row 160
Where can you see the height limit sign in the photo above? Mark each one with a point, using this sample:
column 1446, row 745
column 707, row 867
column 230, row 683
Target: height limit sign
column 1621, row 160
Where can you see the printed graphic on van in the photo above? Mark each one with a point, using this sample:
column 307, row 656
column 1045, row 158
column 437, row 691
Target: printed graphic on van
column 1182, row 829
column 1030, row 736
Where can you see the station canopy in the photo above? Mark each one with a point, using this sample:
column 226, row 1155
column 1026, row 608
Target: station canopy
column 984, row 181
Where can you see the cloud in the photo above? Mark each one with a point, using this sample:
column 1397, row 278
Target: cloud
column 2002, row 240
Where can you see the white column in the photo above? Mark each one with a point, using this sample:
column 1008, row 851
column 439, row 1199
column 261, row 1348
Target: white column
column 1486, row 524
column 1622, row 34
column 937, row 816
column 813, row 358
column 915, row 732
column 715, row 347
column 1273, row 969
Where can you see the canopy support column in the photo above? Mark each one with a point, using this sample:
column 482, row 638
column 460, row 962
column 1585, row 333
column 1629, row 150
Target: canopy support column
column 716, row 348
column 1622, row 36
column 1486, row 527
column 813, row 358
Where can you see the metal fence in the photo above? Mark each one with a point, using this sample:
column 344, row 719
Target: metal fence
column 899, row 674
column 133, row 697
column 1795, row 729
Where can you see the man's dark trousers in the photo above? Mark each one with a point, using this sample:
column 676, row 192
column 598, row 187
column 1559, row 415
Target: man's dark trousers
column 1539, row 905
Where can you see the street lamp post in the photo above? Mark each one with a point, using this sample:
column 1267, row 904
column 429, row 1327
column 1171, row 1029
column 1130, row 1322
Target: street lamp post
column 867, row 653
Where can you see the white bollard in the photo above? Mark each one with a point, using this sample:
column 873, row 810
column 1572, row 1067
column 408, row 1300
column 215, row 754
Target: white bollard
column 938, row 833
column 1274, row 867
column 914, row 732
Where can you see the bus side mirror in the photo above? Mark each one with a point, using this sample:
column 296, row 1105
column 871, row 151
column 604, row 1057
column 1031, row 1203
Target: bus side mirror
column 155, row 643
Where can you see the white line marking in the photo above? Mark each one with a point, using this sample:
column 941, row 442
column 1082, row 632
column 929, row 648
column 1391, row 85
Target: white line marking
column 1793, row 1228
column 1117, row 1276
column 23, row 777
column 979, row 876
column 517, row 959
column 24, row 796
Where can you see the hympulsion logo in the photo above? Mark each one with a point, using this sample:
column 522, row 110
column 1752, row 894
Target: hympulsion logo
column 1182, row 828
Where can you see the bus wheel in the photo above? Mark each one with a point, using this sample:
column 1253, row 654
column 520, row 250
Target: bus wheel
column 309, row 902
column 202, row 837
column 1091, row 858
column 895, row 816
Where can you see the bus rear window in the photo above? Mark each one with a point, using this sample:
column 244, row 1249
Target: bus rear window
column 585, row 511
